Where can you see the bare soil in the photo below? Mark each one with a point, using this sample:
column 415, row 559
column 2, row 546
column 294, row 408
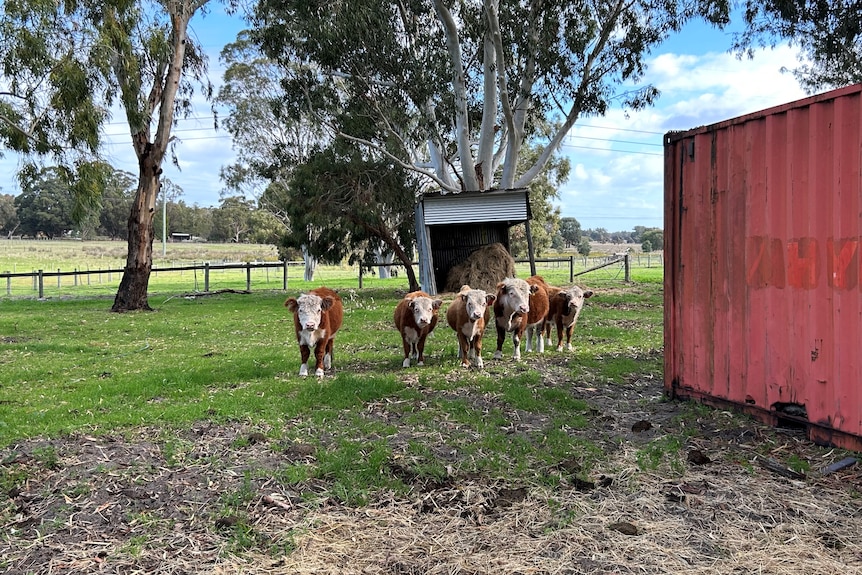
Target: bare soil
column 121, row 503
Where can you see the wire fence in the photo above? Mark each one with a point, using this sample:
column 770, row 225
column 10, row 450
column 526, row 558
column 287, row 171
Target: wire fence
column 208, row 277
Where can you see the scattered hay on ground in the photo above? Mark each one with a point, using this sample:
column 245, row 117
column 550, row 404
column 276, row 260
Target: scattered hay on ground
column 209, row 501
column 483, row 269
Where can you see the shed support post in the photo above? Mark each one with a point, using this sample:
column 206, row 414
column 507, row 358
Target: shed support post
column 530, row 248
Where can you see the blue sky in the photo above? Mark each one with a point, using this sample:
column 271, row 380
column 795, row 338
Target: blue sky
column 616, row 179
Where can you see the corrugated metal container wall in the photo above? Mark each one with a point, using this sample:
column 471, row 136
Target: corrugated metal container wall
column 763, row 287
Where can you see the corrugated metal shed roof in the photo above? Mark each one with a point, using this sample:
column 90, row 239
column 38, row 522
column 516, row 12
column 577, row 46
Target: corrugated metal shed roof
column 511, row 206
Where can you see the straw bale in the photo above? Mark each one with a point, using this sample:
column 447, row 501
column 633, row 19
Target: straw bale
column 483, row 269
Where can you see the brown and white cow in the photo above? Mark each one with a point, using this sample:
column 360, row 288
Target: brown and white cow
column 416, row 317
column 538, row 309
column 519, row 304
column 565, row 307
column 317, row 316
column 467, row 315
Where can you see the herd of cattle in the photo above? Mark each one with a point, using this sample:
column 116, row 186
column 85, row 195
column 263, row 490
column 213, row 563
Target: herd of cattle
column 530, row 306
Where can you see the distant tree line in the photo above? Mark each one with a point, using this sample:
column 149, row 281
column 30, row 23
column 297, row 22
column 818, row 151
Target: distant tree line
column 571, row 235
column 45, row 208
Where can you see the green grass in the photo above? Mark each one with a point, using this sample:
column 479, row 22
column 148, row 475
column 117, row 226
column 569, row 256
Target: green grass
column 29, row 256
column 69, row 366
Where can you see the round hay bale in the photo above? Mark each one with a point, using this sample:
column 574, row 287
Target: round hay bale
column 483, row 269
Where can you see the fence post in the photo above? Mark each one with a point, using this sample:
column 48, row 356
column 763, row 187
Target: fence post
column 41, row 280
column 8, row 284
column 628, row 267
column 75, row 278
column 284, row 281
column 360, row 276
column 571, row 269
column 58, row 278
column 247, row 276
column 206, row 277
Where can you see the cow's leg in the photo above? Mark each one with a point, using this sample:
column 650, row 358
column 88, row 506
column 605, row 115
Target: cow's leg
column 501, row 337
column 477, row 351
column 529, row 345
column 516, row 341
column 540, row 341
column 464, row 349
column 560, row 329
column 569, row 331
column 547, row 330
column 408, row 350
column 420, row 349
column 327, row 357
column 319, row 357
column 304, row 354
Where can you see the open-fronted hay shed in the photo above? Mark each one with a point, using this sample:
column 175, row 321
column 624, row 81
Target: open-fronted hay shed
column 450, row 227
column 763, row 285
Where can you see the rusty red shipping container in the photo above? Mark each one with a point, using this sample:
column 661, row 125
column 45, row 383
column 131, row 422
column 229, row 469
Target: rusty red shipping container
column 763, row 286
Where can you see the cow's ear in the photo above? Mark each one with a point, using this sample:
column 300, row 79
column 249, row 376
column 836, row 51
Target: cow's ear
column 326, row 303
column 436, row 303
column 490, row 298
column 588, row 293
column 500, row 286
column 463, row 296
column 534, row 288
column 290, row 304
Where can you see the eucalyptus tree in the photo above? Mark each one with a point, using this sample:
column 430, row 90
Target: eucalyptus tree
column 50, row 97
column 457, row 88
column 267, row 142
column 44, row 205
column 9, row 221
column 829, row 33
column 65, row 64
column 49, row 104
column 148, row 54
column 344, row 204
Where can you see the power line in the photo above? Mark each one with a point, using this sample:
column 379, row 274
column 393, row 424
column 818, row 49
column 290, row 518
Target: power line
column 610, row 150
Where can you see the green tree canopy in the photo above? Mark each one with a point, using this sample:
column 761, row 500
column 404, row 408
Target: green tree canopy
column 455, row 90
column 9, row 221
column 829, row 33
column 342, row 204
column 44, row 205
column 570, row 230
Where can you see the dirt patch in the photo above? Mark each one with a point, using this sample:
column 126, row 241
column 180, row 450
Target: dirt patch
column 123, row 503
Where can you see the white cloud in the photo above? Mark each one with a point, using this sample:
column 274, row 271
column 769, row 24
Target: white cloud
column 617, row 178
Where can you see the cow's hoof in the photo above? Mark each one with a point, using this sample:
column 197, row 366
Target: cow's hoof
column 479, row 363
column 327, row 361
column 303, row 370
column 318, row 372
column 421, row 363
column 406, row 362
column 498, row 355
column 559, row 348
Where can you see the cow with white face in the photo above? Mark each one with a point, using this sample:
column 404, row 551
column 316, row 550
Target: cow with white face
column 511, row 310
column 317, row 316
column 467, row 315
column 415, row 318
column 565, row 308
